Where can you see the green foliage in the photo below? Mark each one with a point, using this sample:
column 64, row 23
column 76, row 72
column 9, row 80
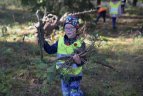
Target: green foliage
column 58, row 7
column 46, row 72
column 46, row 75
column 5, row 83
column 5, row 3
column 8, row 83
column 29, row 2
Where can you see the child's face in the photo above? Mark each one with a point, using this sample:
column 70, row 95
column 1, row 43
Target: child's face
column 70, row 31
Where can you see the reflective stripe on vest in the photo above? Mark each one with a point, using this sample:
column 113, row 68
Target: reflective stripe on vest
column 64, row 50
column 114, row 7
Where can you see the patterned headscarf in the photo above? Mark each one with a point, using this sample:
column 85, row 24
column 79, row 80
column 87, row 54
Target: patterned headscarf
column 72, row 20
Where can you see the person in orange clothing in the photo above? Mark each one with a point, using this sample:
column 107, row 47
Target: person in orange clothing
column 101, row 10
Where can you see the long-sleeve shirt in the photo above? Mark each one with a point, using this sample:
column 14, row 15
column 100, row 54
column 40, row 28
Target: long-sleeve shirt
column 52, row 49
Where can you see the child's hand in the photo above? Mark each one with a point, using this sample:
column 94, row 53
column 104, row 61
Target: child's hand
column 77, row 59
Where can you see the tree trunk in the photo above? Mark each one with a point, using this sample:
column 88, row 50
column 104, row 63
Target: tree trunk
column 98, row 2
column 135, row 2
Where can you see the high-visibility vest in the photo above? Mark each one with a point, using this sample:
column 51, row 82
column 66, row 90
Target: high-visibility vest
column 114, row 7
column 66, row 50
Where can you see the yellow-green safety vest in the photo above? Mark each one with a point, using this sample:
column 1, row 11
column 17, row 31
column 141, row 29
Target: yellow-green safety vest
column 114, row 7
column 65, row 50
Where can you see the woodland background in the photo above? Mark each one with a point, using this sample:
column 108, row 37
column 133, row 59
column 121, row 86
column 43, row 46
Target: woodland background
column 22, row 73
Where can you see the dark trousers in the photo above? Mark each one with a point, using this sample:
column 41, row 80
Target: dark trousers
column 123, row 8
column 113, row 22
column 101, row 14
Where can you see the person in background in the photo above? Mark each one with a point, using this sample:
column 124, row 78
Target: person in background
column 123, row 4
column 101, row 11
column 114, row 11
column 66, row 46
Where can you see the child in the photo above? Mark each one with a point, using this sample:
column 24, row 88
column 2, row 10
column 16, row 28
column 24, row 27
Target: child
column 65, row 46
column 115, row 11
column 102, row 8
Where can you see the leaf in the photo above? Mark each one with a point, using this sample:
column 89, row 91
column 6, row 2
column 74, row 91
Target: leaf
column 41, row 66
column 51, row 69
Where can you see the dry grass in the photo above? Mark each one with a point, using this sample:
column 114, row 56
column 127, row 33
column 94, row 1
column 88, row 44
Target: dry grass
column 26, row 75
column 126, row 56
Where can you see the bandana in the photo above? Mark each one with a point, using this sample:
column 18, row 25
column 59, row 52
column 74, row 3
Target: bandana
column 72, row 20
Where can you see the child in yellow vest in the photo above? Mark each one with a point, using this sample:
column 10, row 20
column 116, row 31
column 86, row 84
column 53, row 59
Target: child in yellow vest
column 65, row 46
column 115, row 11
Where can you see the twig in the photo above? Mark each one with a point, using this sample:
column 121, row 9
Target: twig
column 83, row 12
column 101, row 63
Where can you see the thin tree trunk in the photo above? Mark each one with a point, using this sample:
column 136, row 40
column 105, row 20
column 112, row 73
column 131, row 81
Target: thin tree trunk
column 98, row 2
column 135, row 2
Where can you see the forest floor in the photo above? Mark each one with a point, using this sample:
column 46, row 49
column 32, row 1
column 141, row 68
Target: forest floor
column 23, row 74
